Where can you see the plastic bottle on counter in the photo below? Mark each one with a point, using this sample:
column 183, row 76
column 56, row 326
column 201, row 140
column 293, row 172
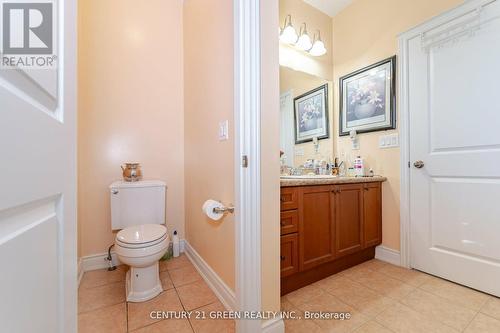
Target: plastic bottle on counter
column 359, row 169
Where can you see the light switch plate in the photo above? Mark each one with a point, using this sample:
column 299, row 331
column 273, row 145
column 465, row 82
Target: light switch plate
column 388, row 141
column 224, row 130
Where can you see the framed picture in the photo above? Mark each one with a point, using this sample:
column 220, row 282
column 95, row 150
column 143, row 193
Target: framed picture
column 368, row 99
column 311, row 115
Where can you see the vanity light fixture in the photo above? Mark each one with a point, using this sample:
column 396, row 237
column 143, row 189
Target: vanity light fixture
column 318, row 47
column 304, row 42
column 288, row 34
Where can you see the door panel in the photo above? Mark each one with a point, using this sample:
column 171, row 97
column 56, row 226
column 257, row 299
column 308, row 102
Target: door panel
column 316, row 226
column 454, row 131
column 38, row 189
column 372, row 214
column 349, row 219
column 456, row 204
column 289, row 257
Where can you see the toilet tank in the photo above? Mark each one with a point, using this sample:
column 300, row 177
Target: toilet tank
column 134, row 203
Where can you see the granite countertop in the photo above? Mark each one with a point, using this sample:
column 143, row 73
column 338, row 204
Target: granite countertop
column 322, row 180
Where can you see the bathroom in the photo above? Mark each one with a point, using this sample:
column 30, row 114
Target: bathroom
column 142, row 189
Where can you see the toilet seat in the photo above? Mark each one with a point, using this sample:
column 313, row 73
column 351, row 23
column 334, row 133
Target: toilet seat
column 141, row 236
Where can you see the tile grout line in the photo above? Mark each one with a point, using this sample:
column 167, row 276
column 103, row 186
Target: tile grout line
column 399, row 301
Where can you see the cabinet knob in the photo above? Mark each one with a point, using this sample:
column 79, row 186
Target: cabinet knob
column 282, row 199
column 282, row 223
column 282, row 258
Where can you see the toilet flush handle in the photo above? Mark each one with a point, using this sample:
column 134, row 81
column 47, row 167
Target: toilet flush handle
column 114, row 191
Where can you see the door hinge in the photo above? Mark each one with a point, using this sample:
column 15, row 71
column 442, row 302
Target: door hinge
column 244, row 161
column 409, row 164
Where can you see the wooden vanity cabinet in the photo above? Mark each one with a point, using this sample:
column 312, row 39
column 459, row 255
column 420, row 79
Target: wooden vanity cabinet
column 327, row 228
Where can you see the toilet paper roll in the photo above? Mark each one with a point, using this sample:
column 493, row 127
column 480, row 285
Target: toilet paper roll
column 208, row 209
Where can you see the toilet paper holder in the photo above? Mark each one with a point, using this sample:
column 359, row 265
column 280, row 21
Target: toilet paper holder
column 223, row 210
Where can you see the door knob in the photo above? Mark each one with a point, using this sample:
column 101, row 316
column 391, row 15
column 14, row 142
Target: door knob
column 419, row 164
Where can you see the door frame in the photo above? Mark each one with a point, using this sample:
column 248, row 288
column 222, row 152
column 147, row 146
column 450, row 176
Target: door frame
column 247, row 100
column 404, row 114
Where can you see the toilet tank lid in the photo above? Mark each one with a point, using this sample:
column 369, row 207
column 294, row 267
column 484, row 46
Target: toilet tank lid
column 140, row 183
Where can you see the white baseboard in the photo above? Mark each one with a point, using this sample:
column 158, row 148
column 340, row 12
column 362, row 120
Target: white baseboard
column 80, row 271
column 222, row 291
column 388, row 255
column 276, row 325
column 98, row 261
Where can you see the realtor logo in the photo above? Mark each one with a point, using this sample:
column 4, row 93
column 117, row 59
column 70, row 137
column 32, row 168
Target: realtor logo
column 28, row 34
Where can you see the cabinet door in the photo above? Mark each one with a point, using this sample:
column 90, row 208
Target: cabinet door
column 289, row 255
column 372, row 206
column 348, row 219
column 316, row 226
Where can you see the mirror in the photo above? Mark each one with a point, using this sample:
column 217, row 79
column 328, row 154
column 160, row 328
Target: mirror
column 306, row 114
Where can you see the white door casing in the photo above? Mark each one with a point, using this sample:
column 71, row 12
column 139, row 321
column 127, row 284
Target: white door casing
column 38, row 189
column 287, row 124
column 247, row 143
column 450, row 212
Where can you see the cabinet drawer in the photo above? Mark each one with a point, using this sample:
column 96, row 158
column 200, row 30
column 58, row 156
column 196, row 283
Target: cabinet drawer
column 289, row 198
column 289, row 221
column 289, row 254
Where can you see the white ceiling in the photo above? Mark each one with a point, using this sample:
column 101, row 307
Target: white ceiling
column 329, row 7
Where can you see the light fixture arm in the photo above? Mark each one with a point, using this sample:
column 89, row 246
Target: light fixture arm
column 303, row 29
column 288, row 19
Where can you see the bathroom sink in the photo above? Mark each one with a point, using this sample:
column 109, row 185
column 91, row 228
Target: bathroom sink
column 309, row 177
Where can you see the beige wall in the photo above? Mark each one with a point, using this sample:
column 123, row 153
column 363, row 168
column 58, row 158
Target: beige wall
column 209, row 163
column 300, row 83
column 364, row 33
column 130, row 107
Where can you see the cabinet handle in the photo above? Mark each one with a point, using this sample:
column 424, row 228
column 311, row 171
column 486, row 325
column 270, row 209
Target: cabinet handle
column 367, row 189
column 282, row 258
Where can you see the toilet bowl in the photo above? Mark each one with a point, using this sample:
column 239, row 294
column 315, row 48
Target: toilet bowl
column 140, row 247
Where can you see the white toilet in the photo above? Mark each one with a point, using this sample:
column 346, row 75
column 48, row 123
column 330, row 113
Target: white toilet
column 138, row 209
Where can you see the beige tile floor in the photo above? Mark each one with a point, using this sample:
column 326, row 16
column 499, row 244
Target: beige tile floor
column 386, row 298
column 380, row 298
column 102, row 306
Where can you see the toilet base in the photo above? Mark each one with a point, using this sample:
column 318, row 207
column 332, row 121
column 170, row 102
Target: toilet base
column 143, row 284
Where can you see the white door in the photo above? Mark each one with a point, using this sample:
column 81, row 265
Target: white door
column 287, row 135
column 38, row 172
column 454, row 124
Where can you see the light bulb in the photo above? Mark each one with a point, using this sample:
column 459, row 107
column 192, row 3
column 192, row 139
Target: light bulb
column 304, row 42
column 318, row 48
column 288, row 35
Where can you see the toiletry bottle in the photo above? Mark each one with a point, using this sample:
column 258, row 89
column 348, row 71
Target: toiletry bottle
column 359, row 169
column 176, row 244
